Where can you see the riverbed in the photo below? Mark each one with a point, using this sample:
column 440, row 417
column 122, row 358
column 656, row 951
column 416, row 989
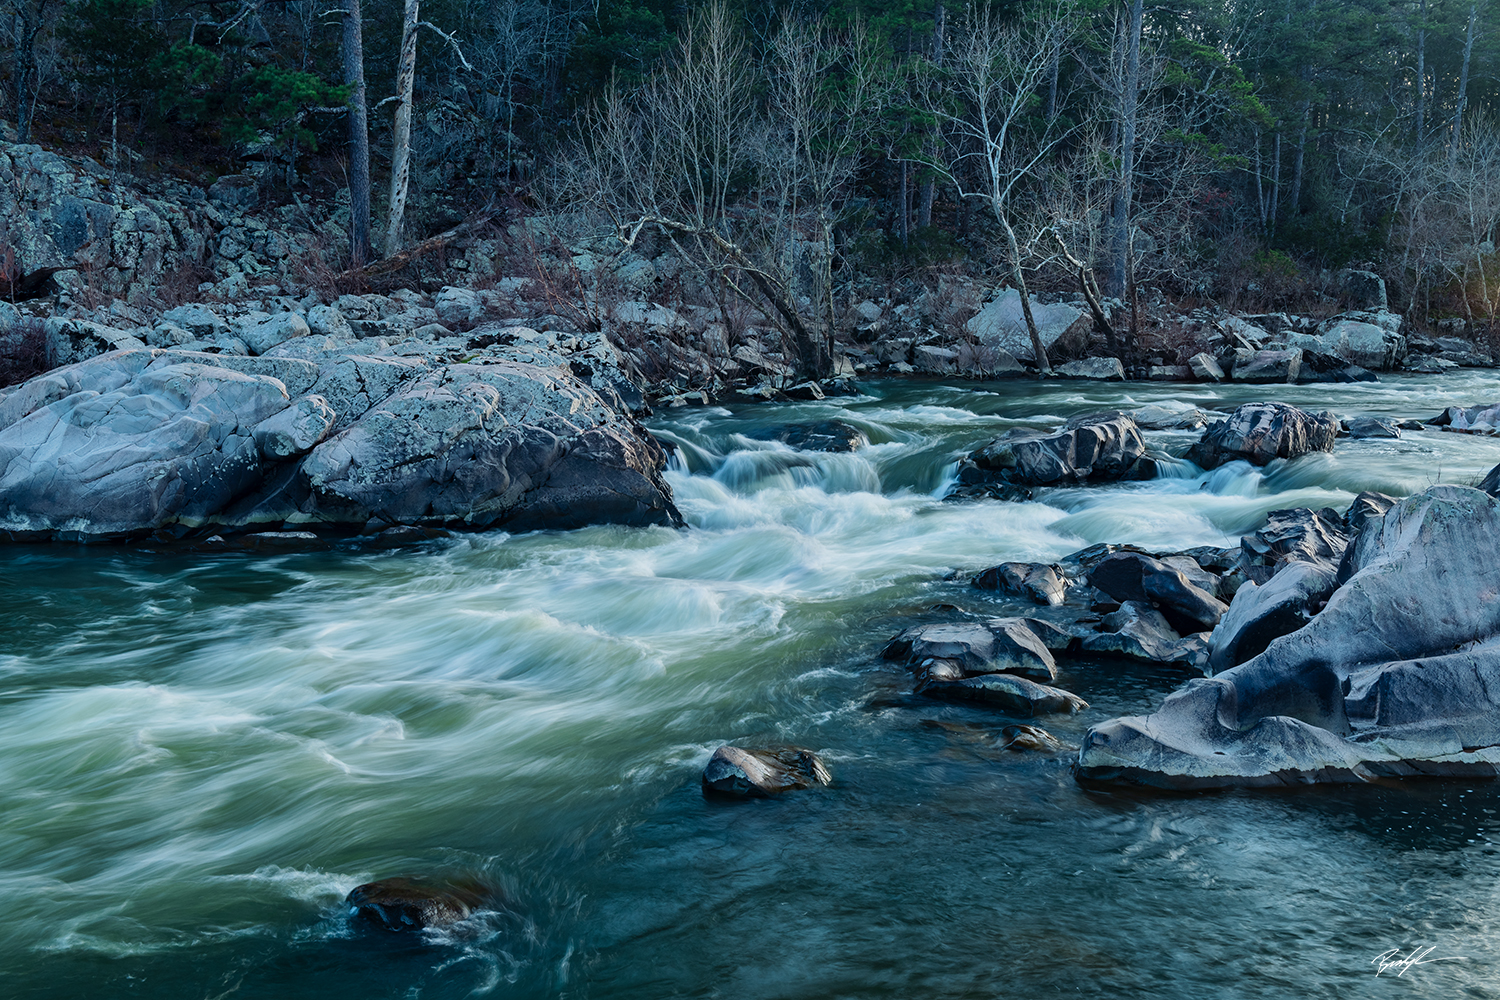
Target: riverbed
column 201, row 754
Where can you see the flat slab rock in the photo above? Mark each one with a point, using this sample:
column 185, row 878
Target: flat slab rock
column 1399, row 675
column 740, row 773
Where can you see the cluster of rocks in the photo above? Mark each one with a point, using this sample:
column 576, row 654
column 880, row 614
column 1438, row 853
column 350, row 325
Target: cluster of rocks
column 1368, row 652
column 326, row 433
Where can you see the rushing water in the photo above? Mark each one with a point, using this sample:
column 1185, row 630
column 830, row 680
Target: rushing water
column 200, row 755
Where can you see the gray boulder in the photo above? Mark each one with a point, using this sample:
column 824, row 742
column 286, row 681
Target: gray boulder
column 1136, row 631
column 1064, row 329
column 1132, row 576
column 1095, row 369
column 142, row 440
column 197, row 319
column 1399, row 675
column 1356, row 341
column 1039, row 582
column 1000, row 645
column 1205, row 368
column 1371, row 427
column 458, row 307
column 763, row 773
column 1269, row 367
column 1099, row 447
column 1007, row 692
column 327, row 321
column 1362, row 289
column 1295, row 535
column 1261, row 432
column 261, row 332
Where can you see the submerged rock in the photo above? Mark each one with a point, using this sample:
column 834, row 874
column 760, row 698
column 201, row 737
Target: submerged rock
column 1260, row 432
column 735, row 772
column 1000, row 645
column 411, row 904
column 824, row 435
column 1023, row 737
column 1399, row 675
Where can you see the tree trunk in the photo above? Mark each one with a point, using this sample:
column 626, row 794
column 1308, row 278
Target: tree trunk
column 1124, row 189
column 929, row 186
column 1296, row 199
column 1422, row 79
column 1463, row 86
column 401, row 132
column 359, row 136
column 903, row 204
column 1016, row 274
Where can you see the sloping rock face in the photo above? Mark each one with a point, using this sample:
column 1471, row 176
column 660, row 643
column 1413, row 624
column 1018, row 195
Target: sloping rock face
column 1367, row 344
column 1260, row 432
column 184, row 444
column 1399, row 675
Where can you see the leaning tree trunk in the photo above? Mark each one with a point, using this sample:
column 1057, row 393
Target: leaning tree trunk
column 401, row 132
column 1043, row 366
column 1463, row 87
column 359, row 136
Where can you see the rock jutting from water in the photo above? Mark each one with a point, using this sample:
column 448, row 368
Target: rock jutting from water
column 1260, row 432
column 1398, row 675
column 762, row 773
column 186, row 444
column 406, row 904
column 1098, row 447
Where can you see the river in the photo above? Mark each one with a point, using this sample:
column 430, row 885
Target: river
column 201, row 754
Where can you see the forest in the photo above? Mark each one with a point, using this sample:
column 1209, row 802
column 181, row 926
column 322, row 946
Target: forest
column 1205, row 149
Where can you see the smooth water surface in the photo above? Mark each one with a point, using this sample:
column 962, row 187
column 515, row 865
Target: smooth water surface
column 200, row 755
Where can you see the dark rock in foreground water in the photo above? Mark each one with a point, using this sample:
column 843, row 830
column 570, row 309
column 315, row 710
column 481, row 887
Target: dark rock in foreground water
column 1007, row 692
column 1399, row 675
column 411, row 904
column 1099, row 447
column 1039, row 582
column 735, row 772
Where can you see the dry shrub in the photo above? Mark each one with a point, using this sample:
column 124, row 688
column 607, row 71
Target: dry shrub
column 23, row 351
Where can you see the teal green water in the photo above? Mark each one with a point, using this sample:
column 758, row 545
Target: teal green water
column 199, row 755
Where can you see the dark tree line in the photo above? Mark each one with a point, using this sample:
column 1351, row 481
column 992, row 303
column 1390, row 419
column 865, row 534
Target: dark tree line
column 1200, row 146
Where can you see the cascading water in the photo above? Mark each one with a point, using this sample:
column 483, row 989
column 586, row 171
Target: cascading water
column 200, row 755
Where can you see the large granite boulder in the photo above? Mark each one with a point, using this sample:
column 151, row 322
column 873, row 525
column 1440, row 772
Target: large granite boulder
column 1103, row 446
column 183, row 443
column 1064, row 329
column 1399, row 675
column 1370, row 345
column 1000, row 645
column 1037, row 582
column 1261, row 432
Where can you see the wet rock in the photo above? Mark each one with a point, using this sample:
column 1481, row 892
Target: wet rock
column 935, row 360
column 1131, row 576
column 1166, row 418
column 1371, row 427
column 1398, row 675
column 825, row 435
column 281, row 541
column 1137, row 631
column 990, row 489
column 1263, row 612
column 999, row 645
column 1169, row 373
column 1491, row 482
column 141, row 440
column 1104, row 446
column 1260, row 432
column 1482, row 419
column 1007, row 692
column 1367, row 507
column 1022, row 737
column 405, row 904
column 1270, row 367
column 1205, row 368
column 1298, row 534
column 1097, row 369
column 1040, row 583
column 762, row 773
